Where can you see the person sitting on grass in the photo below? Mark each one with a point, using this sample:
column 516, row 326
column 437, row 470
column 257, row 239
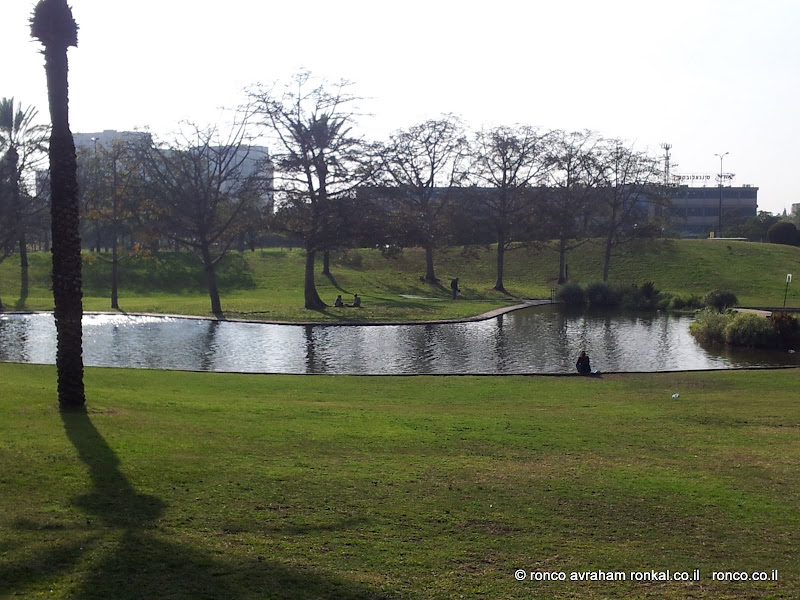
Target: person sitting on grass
column 583, row 364
column 356, row 301
column 338, row 303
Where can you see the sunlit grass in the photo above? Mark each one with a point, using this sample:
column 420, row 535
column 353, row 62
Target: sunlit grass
column 185, row 485
column 268, row 284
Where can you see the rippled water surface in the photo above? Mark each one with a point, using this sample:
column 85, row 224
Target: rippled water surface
column 543, row 339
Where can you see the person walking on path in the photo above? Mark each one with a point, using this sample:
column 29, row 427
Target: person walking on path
column 454, row 288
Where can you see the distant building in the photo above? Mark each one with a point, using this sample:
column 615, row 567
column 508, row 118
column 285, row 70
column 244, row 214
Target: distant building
column 257, row 159
column 695, row 210
column 107, row 137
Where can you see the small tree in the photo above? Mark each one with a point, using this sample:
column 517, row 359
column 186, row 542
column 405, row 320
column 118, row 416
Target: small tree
column 628, row 187
column 574, row 173
column 511, row 162
column 206, row 192
column 319, row 160
column 424, row 163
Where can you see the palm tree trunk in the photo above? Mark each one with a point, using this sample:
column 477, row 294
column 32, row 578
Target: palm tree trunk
column 64, row 213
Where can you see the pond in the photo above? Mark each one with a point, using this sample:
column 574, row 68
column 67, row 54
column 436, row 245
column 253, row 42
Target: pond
column 544, row 339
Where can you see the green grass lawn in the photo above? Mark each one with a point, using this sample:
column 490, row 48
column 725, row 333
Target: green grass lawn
column 192, row 485
column 268, row 284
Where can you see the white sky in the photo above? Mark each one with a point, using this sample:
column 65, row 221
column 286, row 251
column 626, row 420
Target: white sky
column 707, row 76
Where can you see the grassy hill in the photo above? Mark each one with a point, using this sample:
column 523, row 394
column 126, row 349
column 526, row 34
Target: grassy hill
column 267, row 284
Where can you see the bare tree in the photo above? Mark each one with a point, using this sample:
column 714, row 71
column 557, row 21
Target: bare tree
column 575, row 171
column 52, row 24
column 114, row 198
column 629, row 192
column 206, row 188
column 511, row 162
column 424, row 163
column 319, row 160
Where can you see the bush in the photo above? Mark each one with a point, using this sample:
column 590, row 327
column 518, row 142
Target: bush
column 602, row 294
column 783, row 232
column 681, row 303
column 720, row 299
column 648, row 290
column 749, row 329
column 786, row 326
column 709, row 326
column 570, row 294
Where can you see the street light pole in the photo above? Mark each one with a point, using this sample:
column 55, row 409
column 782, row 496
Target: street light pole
column 719, row 226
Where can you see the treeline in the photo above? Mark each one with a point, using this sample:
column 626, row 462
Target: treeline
column 324, row 186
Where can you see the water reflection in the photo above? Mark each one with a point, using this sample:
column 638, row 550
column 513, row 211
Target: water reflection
column 536, row 340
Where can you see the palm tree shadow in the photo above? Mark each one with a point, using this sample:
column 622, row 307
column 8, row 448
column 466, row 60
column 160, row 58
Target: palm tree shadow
column 137, row 557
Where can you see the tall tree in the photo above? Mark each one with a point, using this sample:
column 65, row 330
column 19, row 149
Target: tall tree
column 573, row 175
column 52, row 24
column 208, row 190
column 424, row 163
column 113, row 187
column 319, row 160
column 630, row 195
column 511, row 162
column 24, row 143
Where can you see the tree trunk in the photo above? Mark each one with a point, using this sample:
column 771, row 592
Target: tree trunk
column 114, row 274
column 114, row 244
column 211, row 280
column 607, row 257
column 501, row 254
column 430, row 276
column 562, row 260
column 313, row 301
column 326, row 263
column 23, row 268
column 66, row 241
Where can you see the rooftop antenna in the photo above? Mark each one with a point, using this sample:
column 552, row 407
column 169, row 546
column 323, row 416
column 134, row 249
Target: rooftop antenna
column 667, row 147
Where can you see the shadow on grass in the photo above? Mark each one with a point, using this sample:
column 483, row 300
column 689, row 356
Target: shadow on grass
column 23, row 289
column 335, row 283
column 135, row 561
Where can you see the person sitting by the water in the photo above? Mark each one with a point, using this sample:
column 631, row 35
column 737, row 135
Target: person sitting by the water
column 356, row 301
column 583, row 364
column 338, row 303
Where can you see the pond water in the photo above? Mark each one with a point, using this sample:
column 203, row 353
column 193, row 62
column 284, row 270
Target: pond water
column 544, row 339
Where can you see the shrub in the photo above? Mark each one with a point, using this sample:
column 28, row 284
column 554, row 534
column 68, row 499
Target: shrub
column 602, row 294
column 709, row 326
column 749, row 329
column 720, row 299
column 570, row 294
column 786, row 326
column 783, row 232
column 648, row 290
